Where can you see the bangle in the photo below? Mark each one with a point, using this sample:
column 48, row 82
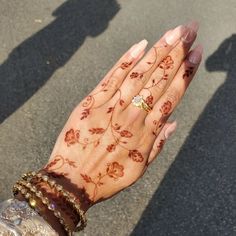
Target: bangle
column 29, row 191
column 67, row 195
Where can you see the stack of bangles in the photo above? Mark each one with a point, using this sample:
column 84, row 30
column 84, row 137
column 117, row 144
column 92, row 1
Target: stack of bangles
column 57, row 203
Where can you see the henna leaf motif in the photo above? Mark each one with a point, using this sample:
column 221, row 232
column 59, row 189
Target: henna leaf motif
column 126, row 134
column 96, row 143
column 125, row 65
column 117, row 127
column 110, row 109
column 135, row 155
column 121, row 102
column 85, row 113
column 161, row 144
column 134, row 75
column 96, row 130
column 86, row 178
column 70, row 163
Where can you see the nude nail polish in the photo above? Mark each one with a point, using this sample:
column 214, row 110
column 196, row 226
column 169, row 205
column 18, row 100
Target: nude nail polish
column 173, row 36
column 170, row 130
column 193, row 25
column 189, row 36
column 195, row 55
column 191, row 33
column 138, row 48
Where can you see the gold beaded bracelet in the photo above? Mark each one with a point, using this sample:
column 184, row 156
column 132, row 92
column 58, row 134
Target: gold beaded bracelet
column 71, row 199
column 27, row 190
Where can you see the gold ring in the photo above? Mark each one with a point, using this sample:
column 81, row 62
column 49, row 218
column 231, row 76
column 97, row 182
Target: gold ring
column 138, row 101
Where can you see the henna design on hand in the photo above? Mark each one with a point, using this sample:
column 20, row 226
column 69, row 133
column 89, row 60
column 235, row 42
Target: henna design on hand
column 72, row 137
column 114, row 170
column 165, row 112
column 89, row 101
column 58, row 162
column 160, row 145
column 166, row 64
column 118, row 135
column 188, row 72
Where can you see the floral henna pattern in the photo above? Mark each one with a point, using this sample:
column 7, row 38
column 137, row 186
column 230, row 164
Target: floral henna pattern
column 89, row 101
column 72, row 137
column 120, row 135
column 188, row 72
column 57, row 163
column 114, row 170
column 166, row 108
column 165, row 65
column 165, row 112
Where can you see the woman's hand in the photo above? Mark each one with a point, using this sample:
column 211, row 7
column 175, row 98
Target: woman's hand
column 108, row 143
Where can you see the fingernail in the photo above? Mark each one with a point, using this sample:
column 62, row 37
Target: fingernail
column 189, row 36
column 195, row 55
column 173, row 36
column 193, row 25
column 170, row 130
column 138, row 48
column 191, row 33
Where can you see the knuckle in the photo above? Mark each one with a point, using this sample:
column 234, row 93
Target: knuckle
column 173, row 95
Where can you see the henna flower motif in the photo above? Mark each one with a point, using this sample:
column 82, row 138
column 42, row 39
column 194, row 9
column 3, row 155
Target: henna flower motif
column 149, row 100
column 72, row 137
column 166, row 63
column 135, row 155
column 115, row 170
column 166, row 107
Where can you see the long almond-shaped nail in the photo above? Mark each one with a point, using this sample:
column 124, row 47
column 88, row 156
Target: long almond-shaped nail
column 191, row 33
column 138, row 48
column 193, row 25
column 189, row 36
column 170, row 130
column 173, row 36
column 195, row 55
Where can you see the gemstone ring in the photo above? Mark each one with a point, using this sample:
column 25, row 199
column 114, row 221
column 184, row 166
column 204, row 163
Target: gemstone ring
column 138, row 101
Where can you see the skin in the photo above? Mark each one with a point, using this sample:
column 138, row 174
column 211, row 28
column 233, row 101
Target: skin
column 107, row 143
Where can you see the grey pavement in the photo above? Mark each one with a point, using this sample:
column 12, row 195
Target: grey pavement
column 54, row 52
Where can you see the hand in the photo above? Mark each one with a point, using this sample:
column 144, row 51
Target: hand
column 107, row 142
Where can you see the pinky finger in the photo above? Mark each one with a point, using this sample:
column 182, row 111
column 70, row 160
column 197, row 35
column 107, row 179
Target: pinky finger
column 166, row 132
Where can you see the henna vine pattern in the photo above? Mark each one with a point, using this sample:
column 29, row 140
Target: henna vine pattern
column 165, row 112
column 188, row 72
column 114, row 170
column 89, row 101
column 119, row 134
column 166, row 64
column 57, row 163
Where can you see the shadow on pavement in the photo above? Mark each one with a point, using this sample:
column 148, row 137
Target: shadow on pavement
column 33, row 62
column 198, row 193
